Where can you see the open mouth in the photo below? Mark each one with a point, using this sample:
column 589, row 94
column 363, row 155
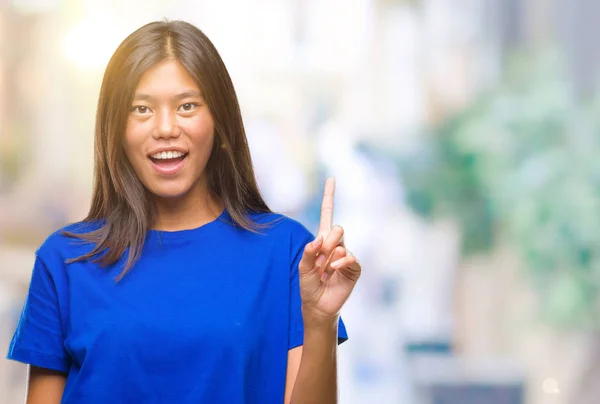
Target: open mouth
column 168, row 162
column 168, row 157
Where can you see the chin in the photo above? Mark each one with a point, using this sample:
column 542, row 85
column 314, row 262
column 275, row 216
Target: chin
column 170, row 192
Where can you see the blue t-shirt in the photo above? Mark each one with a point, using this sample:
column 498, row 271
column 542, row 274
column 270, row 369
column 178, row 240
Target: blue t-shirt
column 205, row 316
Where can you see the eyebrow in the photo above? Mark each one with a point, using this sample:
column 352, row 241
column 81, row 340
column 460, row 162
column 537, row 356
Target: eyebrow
column 177, row 97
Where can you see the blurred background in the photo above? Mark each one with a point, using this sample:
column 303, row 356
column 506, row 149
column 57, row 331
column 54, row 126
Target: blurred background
column 463, row 135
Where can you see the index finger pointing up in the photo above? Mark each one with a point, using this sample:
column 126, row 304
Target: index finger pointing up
column 327, row 207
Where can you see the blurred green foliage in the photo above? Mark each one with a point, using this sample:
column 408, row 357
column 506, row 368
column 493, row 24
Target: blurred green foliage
column 522, row 165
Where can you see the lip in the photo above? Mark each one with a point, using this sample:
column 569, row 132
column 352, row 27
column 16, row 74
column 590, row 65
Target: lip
column 171, row 170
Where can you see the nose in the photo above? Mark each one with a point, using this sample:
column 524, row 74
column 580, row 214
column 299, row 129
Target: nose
column 166, row 125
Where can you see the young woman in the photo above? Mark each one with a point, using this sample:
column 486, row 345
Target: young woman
column 181, row 286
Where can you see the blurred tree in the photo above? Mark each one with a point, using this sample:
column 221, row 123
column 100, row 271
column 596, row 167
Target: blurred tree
column 521, row 164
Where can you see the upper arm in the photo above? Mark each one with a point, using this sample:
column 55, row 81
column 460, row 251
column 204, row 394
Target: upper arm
column 45, row 386
column 294, row 356
column 39, row 338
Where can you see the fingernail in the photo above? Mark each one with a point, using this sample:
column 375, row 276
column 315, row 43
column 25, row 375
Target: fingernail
column 335, row 264
column 320, row 260
column 325, row 277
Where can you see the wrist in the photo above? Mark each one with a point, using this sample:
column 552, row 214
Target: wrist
column 315, row 318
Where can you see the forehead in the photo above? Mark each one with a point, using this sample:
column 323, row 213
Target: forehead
column 166, row 77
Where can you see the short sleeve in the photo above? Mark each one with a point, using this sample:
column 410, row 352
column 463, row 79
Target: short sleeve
column 296, row 337
column 39, row 336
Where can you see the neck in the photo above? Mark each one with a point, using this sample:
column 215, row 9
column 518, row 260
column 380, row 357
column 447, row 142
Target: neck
column 192, row 210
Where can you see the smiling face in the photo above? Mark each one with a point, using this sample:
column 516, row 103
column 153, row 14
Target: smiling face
column 170, row 132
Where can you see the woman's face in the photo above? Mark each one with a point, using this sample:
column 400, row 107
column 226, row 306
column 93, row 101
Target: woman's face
column 170, row 132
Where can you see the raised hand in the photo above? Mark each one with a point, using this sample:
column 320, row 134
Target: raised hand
column 328, row 271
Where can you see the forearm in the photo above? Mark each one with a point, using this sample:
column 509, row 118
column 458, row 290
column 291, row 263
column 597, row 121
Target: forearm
column 316, row 382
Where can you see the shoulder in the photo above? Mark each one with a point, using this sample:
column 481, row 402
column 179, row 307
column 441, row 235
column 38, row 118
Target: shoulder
column 64, row 244
column 285, row 233
column 281, row 225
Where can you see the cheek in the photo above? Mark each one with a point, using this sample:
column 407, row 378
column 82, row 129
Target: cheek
column 201, row 133
column 132, row 144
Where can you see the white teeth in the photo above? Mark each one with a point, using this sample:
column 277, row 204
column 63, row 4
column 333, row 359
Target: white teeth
column 167, row 155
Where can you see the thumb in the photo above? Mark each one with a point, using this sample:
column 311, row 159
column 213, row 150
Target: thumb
column 309, row 257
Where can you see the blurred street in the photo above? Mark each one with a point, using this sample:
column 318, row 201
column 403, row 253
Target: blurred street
column 463, row 135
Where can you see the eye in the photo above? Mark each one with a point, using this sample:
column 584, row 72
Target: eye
column 140, row 109
column 188, row 107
